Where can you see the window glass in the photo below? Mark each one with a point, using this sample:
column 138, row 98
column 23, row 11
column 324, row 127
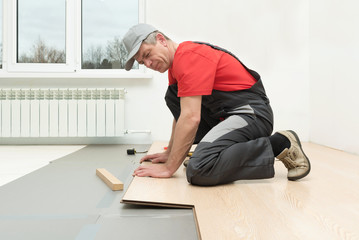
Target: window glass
column 0, row 34
column 104, row 23
column 41, row 33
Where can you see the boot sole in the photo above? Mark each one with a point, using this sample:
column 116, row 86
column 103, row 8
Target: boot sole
column 309, row 167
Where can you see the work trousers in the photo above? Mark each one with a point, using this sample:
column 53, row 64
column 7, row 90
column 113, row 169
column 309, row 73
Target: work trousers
column 235, row 148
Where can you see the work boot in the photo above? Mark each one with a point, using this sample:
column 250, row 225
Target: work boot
column 294, row 158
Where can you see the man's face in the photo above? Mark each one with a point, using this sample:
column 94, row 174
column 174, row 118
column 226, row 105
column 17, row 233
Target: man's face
column 156, row 57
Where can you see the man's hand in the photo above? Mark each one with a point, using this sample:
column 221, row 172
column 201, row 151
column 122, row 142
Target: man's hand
column 156, row 158
column 183, row 134
column 153, row 170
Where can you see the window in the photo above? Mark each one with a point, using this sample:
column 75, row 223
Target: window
column 0, row 34
column 74, row 38
column 41, row 31
column 104, row 23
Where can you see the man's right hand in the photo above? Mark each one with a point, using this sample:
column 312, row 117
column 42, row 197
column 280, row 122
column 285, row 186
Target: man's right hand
column 156, row 158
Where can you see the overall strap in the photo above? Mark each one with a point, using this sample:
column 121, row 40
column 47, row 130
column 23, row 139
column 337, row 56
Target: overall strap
column 253, row 73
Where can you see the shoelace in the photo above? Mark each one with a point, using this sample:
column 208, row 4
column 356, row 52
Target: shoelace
column 288, row 162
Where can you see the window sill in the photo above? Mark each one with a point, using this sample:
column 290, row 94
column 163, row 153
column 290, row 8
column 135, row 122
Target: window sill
column 108, row 74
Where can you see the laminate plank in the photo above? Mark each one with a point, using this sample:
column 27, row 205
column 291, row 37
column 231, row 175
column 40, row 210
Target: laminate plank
column 110, row 180
column 324, row 205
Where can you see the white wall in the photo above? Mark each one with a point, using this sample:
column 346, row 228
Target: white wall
column 307, row 54
column 271, row 37
column 334, row 62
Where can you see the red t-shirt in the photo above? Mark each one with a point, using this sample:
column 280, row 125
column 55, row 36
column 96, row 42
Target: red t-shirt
column 198, row 69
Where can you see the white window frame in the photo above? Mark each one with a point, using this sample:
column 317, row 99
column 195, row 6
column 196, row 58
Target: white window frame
column 72, row 67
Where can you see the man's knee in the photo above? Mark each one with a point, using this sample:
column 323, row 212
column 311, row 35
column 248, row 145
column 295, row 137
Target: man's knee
column 198, row 176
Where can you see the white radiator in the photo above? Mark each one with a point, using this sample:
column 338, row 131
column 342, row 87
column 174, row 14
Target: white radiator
column 62, row 112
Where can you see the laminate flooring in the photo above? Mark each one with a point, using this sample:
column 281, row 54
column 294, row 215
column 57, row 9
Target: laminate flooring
column 323, row 205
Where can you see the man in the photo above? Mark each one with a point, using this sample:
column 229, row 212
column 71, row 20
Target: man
column 218, row 103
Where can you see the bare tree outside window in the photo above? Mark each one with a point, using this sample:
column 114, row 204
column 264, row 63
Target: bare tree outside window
column 102, row 46
column 41, row 53
column 92, row 57
column 111, row 56
column 117, row 53
column 41, row 31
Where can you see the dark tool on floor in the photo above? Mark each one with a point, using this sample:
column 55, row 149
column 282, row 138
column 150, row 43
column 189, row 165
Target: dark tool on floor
column 133, row 151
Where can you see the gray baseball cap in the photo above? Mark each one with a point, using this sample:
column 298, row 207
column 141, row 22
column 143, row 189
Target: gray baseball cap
column 133, row 40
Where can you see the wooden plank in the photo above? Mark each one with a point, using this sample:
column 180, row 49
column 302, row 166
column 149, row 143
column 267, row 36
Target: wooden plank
column 324, row 205
column 109, row 179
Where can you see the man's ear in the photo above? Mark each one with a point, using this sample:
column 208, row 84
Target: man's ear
column 161, row 39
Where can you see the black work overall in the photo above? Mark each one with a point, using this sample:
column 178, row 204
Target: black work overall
column 232, row 136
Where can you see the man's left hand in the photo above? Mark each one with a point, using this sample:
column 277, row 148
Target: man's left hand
column 153, row 170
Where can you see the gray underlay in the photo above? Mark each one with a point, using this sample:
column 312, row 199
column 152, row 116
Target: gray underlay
column 66, row 200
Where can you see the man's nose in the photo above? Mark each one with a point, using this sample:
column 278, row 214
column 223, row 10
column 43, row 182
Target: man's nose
column 147, row 63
